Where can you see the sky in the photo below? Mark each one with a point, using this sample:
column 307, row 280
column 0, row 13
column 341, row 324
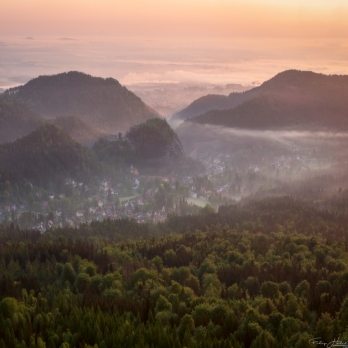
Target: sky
column 138, row 41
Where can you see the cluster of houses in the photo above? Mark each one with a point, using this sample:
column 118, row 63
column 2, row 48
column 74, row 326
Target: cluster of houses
column 213, row 165
column 129, row 209
column 124, row 207
column 110, row 203
column 286, row 162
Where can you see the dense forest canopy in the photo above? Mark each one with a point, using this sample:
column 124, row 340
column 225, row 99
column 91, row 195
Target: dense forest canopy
column 269, row 273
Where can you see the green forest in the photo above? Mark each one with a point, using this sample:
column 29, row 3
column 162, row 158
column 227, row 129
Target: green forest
column 266, row 273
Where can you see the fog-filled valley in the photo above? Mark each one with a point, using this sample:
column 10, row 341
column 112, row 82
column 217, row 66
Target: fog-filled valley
column 77, row 148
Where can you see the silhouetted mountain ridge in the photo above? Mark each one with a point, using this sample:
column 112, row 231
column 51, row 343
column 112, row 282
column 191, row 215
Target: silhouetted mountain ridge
column 292, row 99
column 103, row 103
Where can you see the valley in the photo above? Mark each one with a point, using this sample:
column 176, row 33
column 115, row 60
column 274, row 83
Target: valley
column 227, row 229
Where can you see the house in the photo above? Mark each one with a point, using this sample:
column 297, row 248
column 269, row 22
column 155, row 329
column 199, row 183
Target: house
column 225, row 195
column 69, row 181
column 192, row 194
column 209, row 193
column 40, row 227
column 79, row 213
column 158, row 218
column 134, row 171
column 139, row 215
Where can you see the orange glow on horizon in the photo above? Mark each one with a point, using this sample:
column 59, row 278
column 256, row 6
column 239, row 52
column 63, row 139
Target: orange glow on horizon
column 196, row 18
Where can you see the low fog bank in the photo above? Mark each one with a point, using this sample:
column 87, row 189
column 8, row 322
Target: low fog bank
column 199, row 139
column 253, row 164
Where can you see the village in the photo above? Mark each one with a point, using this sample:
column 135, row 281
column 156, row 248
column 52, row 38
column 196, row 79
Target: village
column 146, row 198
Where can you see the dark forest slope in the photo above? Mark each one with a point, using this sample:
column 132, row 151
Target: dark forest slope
column 45, row 156
column 155, row 140
column 16, row 120
column 78, row 129
column 293, row 99
column 104, row 103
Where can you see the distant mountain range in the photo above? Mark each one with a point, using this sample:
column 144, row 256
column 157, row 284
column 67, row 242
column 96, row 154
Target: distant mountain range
column 102, row 103
column 290, row 100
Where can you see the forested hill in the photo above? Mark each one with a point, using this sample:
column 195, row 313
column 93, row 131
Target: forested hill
column 100, row 102
column 78, row 129
column 200, row 106
column 151, row 146
column 16, row 120
column 155, row 140
column 291, row 99
column 47, row 155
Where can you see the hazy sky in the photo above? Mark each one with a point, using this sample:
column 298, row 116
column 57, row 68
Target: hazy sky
column 218, row 41
column 197, row 18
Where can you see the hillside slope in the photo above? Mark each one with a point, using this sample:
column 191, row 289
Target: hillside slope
column 212, row 102
column 45, row 156
column 290, row 99
column 153, row 141
column 100, row 102
column 16, row 120
column 82, row 132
